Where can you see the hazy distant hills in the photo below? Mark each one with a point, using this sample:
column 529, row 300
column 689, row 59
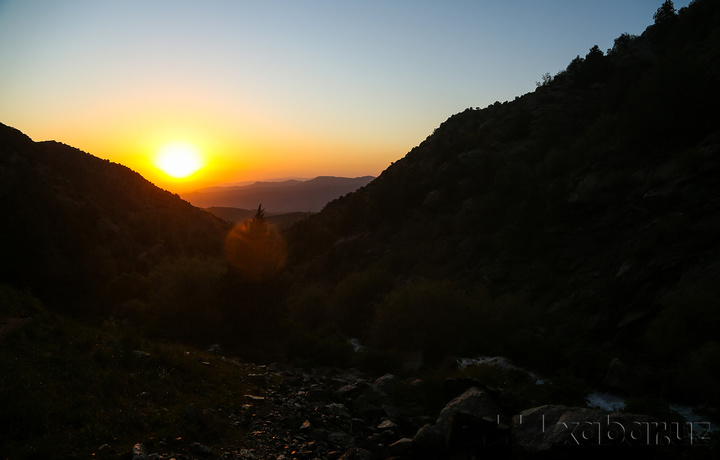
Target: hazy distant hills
column 72, row 221
column 279, row 197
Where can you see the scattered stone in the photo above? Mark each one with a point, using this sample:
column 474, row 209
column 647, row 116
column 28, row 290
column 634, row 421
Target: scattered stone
column 382, row 438
column 337, row 410
column 341, row 439
column 387, row 425
column 400, row 447
column 258, row 379
column 387, row 382
column 282, row 368
column 215, row 348
column 357, row 454
column 372, row 424
column 245, row 454
column 139, row 452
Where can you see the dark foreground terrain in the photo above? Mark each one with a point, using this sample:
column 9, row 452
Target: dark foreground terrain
column 75, row 391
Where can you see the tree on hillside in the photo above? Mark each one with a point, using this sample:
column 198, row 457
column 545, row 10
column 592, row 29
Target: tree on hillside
column 621, row 44
column 256, row 248
column 665, row 14
column 593, row 67
column 258, row 224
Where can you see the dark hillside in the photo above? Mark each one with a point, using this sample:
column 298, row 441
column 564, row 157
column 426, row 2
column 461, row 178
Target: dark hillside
column 72, row 221
column 568, row 227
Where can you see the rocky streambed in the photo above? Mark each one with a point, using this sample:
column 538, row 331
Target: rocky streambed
column 345, row 414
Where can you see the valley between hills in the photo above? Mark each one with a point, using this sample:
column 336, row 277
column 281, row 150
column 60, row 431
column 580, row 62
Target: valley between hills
column 535, row 279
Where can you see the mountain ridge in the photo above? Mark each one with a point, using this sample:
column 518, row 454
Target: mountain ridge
column 279, row 197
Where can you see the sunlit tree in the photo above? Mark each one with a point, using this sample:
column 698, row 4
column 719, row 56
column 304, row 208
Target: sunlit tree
column 256, row 248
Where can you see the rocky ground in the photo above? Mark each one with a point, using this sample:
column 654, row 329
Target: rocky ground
column 335, row 414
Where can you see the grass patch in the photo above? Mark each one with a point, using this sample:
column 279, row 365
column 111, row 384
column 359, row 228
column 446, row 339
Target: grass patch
column 68, row 388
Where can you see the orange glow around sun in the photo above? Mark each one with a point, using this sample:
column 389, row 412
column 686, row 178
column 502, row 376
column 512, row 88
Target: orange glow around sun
column 179, row 160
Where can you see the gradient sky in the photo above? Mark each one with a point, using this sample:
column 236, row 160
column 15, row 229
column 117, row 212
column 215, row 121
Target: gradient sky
column 269, row 89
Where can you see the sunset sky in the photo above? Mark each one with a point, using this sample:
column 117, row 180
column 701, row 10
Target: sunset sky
column 271, row 89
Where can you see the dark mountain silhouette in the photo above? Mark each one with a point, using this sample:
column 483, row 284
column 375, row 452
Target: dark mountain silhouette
column 72, row 221
column 279, row 197
column 582, row 219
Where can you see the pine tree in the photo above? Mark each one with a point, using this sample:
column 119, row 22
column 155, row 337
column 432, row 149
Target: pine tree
column 665, row 14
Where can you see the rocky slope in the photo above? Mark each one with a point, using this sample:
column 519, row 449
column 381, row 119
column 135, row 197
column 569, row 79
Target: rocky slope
column 331, row 414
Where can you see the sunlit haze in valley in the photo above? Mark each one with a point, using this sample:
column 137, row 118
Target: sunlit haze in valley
column 248, row 90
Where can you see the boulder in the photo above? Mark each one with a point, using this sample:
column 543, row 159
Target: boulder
column 400, row 447
column 428, row 441
column 362, row 395
column 471, row 424
column 472, row 418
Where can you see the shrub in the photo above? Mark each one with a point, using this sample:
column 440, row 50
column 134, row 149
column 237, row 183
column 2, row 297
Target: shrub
column 424, row 315
column 185, row 295
column 697, row 381
column 355, row 299
column 309, row 308
column 690, row 317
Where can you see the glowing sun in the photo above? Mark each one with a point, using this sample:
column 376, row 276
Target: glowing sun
column 179, row 160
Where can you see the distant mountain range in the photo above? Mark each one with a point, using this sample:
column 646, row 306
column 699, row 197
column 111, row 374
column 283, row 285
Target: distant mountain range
column 279, row 197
